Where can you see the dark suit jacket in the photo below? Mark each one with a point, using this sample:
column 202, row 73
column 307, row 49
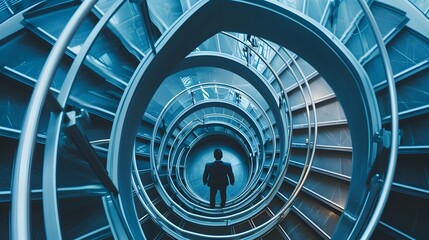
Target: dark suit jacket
column 216, row 174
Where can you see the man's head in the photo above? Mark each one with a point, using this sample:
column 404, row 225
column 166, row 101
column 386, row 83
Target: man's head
column 217, row 154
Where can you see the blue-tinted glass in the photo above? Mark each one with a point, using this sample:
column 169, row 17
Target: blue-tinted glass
column 164, row 13
column 296, row 4
column 423, row 5
column 316, row 9
column 127, row 22
column 52, row 22
column 347, row 11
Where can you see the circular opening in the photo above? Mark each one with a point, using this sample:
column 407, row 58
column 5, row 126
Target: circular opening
column 202, row 153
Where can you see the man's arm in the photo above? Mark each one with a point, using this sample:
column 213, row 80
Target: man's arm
column 205, row 175
column 231, row 175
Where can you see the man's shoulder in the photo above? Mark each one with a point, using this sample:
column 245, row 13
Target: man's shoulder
column 226, row 163
column 218, row 163
column 209, row 164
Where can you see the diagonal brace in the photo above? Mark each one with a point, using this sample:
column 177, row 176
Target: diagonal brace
column 78, row 137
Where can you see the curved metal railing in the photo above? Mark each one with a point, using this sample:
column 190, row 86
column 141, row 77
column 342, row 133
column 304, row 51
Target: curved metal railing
column 306, row 170
column 374, row 217
column 198, row 87
column 190, row 129
column 20, row 206
column 311, row 146
column 20, row 196
column 231, row 123
column 193, row 201
column 312, row 143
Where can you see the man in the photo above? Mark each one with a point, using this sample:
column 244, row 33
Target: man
column 216, row 175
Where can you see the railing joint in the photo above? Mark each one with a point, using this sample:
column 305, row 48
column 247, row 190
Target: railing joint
column 383, row 138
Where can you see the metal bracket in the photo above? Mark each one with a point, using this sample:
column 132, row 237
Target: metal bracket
column 384, row 138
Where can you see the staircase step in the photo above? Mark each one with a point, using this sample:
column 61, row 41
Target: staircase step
column 411, row 209
column 411, row 96
column 405, row 50
column 127, row 24
column 296, row 228
column 48, row 23
column 390, row 21
column 330, row 191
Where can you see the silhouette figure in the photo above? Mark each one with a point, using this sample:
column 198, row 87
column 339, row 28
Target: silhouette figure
column 216, row 175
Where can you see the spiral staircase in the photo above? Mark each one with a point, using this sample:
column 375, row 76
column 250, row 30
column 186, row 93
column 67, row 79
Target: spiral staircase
column 110, row 110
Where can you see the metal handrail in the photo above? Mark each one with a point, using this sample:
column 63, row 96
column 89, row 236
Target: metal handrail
column 198, row 122
column 186, row 131
column 311, row 145
column 310, row 156
column 177, row 142
column 20, row 205
column 206, row 85
column 280, row 83
column 257, row 162
column 179, row 232
column 387, row 183
column 282, row 92
column 56, row 121
column 276, row 77
column 205, row 124
column 169, row 164
column 159, row 122
column 191, row 203
column 100, row 141
column 256, row 153
column 236, row 120
column 190, row 126
column 313, row 142
column 310, row 124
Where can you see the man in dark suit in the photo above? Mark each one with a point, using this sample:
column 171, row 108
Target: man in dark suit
column 216, row 175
